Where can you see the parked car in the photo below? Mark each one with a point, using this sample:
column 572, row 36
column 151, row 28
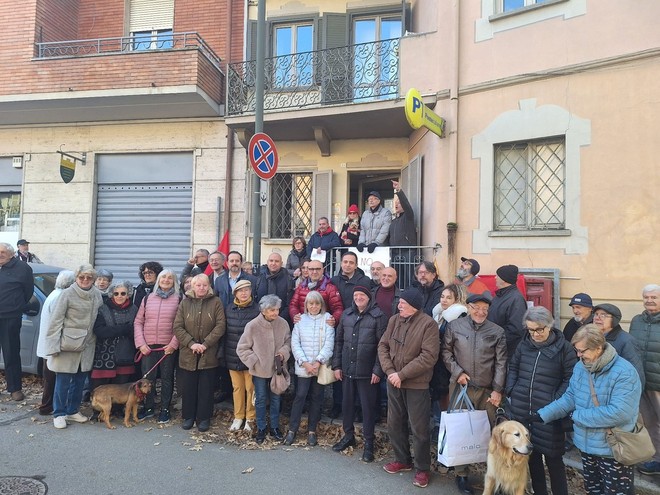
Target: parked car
column 44, row 283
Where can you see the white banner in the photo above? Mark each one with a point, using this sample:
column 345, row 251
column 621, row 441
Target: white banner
column 365, row 258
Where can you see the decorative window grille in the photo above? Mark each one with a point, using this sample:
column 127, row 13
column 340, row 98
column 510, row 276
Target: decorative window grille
column 290, row 205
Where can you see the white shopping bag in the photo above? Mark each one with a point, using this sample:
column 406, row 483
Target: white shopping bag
column 464, row 432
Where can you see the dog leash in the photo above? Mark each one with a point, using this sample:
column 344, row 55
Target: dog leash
column 139, row 355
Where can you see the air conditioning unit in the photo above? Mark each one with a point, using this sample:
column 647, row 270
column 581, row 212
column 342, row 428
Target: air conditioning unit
column 17, row 162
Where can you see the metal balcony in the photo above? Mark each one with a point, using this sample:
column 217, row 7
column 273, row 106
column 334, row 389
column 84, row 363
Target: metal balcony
column 365, row 72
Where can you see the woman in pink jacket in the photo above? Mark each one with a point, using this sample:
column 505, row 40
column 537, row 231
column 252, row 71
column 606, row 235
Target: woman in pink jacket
column 154, row 337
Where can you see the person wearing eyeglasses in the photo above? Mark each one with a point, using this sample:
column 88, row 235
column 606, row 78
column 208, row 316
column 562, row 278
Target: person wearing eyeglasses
column 114, row 360
column 70, row 344
column 148, row 272
column 617, row 389
column 539, row 372
column 475, row 353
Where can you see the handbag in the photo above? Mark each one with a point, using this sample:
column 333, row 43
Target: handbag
column 464, row 431
column 281, row 380
column 628, row 447
column 124, row 351
column 326, row 375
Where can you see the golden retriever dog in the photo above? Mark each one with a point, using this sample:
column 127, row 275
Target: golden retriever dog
column 508, row 459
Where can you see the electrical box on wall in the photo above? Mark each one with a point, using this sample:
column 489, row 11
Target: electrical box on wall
column 17, row 162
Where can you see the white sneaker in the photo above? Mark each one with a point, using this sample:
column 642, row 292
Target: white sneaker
column 59, row 422
column 77, row 418
column 248, row 426
column 236, row 425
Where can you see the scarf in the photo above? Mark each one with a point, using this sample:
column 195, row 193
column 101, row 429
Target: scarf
column 608, row 354
column 114, row 305
column 244, row 304
column 551, row 338
column 164, row 294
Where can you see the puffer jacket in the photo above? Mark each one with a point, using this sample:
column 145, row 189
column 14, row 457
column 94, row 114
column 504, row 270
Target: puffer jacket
column 618, row 390
column 199, row 321
column 507, row 311
column 74, row 316
column 625, row 347
column 237, row 319
column 478, row 350
column 346, row 285
column 430, row 294
column 536, row 377
column 645, row 329
column 410, row 348
column 261, row 341
column 356, row 342
column 328, row 291
column 312, row 340
column 154, row 323
column 375, row 226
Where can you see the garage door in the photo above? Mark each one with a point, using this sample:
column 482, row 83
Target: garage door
column 139, row 220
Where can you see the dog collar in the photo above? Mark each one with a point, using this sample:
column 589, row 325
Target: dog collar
column 139, row 393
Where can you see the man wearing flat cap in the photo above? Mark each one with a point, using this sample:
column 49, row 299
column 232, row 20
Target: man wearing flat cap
column 375, row 224
column 474, row 352
column 24, row 253
column 508, row 306
column 583, row 314
column 467, row 276
column 408, row 352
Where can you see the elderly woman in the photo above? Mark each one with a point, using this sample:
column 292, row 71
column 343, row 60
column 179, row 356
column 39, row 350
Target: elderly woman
column 312, row 342
column 147, row 272
column 296, row 256
column 618, row 389
column 539, row 372
column 70, row 344
column 199, row 325
column 265, row 339
column 64, row 279
column 154, row 337
column 103, row 280
column 241, row 311
column 115, row 351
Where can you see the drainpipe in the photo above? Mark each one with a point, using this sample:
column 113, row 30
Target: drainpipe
column 452, row 225
column 229, row 161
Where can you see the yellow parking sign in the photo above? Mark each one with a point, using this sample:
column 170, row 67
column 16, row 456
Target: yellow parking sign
column 419, row 115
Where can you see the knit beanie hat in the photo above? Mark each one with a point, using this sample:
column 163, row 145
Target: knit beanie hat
column 612, row 310
column 375, row 193
column 361, row 288
column 413, row 297
column 508, row 273
column 353, row 209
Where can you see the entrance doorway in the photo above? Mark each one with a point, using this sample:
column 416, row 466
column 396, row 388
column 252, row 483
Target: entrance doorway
column 362, row 183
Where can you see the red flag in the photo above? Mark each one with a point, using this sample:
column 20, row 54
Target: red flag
column 223, row 248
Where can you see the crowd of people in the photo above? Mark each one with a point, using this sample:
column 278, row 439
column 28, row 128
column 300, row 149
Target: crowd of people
column 394, row 354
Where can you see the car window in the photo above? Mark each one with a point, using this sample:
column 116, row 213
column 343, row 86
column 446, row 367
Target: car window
column 45, row 282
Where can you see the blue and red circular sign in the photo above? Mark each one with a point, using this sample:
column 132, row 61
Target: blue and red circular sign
column 263, row 155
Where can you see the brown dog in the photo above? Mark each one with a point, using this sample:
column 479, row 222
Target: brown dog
column 508, row 459
column 130, row 394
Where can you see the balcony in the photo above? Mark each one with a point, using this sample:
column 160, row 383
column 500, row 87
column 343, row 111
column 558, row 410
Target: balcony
column 343, row 93
column 113, row 79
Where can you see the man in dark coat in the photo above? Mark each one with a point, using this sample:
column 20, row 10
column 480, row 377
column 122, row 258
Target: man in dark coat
column 508, row 306
column 225, row 283
column 324, row 239
column 350, row 277
column 429, row 285
column 275, row 279
column 583, row 314
column 402, row 228
column 16, row 289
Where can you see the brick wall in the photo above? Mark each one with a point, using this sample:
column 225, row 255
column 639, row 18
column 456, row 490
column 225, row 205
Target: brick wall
column 103, row 19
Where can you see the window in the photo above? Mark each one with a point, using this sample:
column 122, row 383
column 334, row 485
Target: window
column 153, row 40
column 529, row 185
column 290, row 205
column 509, row 5
column 293, row 65
column 10, row 211
column 375, row 65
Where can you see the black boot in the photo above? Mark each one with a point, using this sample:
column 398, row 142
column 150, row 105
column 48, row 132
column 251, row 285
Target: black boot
column 346, row 442
column 368, row 454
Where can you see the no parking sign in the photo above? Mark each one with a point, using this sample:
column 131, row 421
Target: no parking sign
column 263, row 156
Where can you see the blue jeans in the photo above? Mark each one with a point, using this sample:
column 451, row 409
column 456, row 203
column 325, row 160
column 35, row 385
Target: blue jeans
column 261, row 394
column 68, row 392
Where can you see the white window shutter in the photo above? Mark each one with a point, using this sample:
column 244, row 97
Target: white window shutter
column 322, row 196
column 151, row 15
column 411, row 183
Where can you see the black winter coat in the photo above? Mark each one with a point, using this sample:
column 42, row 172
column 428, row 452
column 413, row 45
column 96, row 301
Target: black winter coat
column 507, row 310
column 16, row 288
column 536, row 377
column 112, row 323
column 280, row 284
column 346, row 285
column 356, row 342
column 236, row 318
column 403, row 230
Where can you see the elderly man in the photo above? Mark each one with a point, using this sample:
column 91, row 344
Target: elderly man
column 481, row 367
column 217, row 266
column 324, row 239
column 350, row 277
column 387, row 293
column 376, row 268
column 508, row 306
column 16, row 289
column 197, row 264
column 408, row 351
column 467, row 276
column 645, row 329
column 583, row 309
column 275, row 279
column 429, row 285
column 24, row 253
column 374, row 224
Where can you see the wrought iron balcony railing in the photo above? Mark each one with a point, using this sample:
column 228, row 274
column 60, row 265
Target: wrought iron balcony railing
column 355, row 73
column 125, row 44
